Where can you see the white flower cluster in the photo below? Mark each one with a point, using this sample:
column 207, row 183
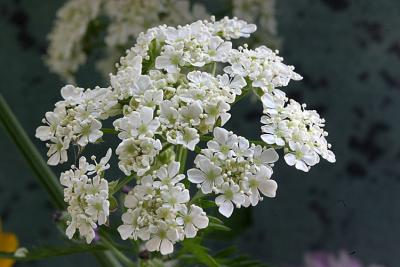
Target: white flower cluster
column 66, row 53
column 173, row 88
column 235, row 170
column 299, row 131
column 76, row 119
column 158, row 211
column 177, row 100
column 87, row 197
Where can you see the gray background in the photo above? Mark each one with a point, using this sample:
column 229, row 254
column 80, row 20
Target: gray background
column 348, row 52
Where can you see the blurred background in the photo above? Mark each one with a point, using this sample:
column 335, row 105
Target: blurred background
column 349, row 54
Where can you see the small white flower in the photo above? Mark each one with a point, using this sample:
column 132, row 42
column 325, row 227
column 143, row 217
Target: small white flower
column 170, row 60
column 58, row 151
column 261, row 182
column 302, row 157
column 191, row 113
column 137, row 155
column 208, row 175
column 222, row 143
column 53, row 120
column 141, row 85
column 88, row 132
column 188, row 137
column 73, row 95
column 168, row 175
column 168, row 113
column 163, row 239
column 264, row 156
column 234, row 85
column 193, row 220
column 103, row 165
column 175, row 196
column 230, row 195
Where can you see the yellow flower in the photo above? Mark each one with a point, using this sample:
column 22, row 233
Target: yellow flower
column 9, row 244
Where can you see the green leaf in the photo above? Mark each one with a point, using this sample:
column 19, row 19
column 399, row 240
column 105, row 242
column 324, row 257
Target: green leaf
column 205, row 203
column 49, row 252
column 225, row 253
column 109, row 131
column 200, row 253
column 44, row 174
column 218, row 227
column 214, row 219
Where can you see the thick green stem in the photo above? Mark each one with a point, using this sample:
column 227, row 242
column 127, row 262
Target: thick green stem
column 106, row 240
column 107, row 259
column 44, row 174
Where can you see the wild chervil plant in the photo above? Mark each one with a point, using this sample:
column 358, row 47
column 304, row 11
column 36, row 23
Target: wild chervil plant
column 172, row 90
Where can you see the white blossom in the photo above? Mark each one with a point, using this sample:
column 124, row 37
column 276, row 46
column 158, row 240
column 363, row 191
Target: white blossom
column 300, row 132
column 87, row 198
column 173, row 89
column 193, row 218
column 137, row 155
column 157, row 211
column 234, row 170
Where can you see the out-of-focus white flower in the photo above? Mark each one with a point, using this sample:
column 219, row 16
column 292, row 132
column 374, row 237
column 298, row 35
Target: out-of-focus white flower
column 66, row 52
column 261, row 12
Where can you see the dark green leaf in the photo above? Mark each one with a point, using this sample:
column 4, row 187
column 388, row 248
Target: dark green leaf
column 49, row 252
column 200, row 253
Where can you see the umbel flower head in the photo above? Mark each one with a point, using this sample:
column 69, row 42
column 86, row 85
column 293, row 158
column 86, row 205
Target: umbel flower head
column 86, row 192
column 174, row 88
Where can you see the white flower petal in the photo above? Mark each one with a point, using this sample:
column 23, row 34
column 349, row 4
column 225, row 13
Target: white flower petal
column 226, row 209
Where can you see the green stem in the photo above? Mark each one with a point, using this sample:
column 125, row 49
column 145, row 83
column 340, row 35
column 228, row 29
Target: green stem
column 107, row 259
column 124, row 181
column 199, row 194
column 214, row 68
column 245, row 92
column 106, row 240
column 44, row 174
column 109, row 131
column 182, row 156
